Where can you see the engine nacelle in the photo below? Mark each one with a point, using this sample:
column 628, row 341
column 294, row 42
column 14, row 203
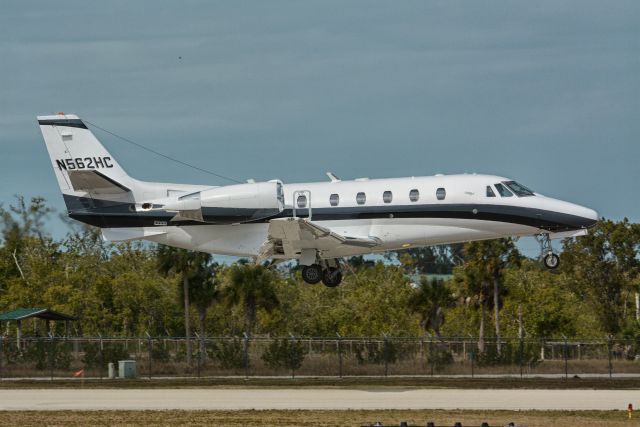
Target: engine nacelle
column 232, row 203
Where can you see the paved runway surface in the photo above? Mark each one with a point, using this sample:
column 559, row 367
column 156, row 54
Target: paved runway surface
column 314, row 398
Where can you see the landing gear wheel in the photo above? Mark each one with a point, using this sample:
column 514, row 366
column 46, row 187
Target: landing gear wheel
column 331, row 277
column 551, row 261
column 312, row 274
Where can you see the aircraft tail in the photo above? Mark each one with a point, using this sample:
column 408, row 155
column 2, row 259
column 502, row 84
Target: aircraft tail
column 80, row 161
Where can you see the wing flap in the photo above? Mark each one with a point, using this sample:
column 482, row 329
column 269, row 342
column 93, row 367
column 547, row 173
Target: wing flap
column 288, row 237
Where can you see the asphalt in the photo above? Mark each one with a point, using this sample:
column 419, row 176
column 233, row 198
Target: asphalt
column 314, row 398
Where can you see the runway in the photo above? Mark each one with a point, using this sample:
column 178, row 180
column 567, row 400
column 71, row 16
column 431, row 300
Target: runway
column 314, row 398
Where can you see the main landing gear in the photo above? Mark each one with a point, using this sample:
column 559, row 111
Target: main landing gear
column 328, row 272
column 550, row 259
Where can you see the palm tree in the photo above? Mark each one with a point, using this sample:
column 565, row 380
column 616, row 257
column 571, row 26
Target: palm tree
column 190, row 265
column 250, row 286
column 204, row 293
column 429, row 299
column 484, row 266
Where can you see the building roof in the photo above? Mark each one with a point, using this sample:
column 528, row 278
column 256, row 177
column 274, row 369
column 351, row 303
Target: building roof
column 40, row 313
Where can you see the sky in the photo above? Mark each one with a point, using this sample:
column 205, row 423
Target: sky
column 547, row 93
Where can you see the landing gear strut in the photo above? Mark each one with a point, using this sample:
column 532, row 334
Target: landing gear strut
column 550, row 259
column 328, row 272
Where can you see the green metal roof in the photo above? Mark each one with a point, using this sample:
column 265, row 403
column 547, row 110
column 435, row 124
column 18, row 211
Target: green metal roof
column 40, row 313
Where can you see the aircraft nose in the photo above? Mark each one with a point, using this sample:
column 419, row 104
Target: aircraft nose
column 585, row 217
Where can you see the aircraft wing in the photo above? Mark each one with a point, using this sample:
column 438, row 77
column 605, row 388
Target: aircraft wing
column 288, row 237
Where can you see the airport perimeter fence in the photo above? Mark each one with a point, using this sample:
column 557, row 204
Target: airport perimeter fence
column 62, row 357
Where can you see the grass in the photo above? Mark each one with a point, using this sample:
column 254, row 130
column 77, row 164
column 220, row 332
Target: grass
column 316, row 418
column 350, row 382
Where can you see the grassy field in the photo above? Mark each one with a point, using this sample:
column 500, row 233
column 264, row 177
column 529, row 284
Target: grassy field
column 316, row 418
column 354, row 382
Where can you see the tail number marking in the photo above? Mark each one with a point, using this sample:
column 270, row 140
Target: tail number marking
column 84, row 163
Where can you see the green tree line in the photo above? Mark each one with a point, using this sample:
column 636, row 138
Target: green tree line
column 486, row 289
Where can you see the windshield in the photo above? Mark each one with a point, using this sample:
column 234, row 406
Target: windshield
column 519, row 189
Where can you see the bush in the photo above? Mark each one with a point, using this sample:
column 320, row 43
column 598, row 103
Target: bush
column 111, row 353
column 284, row 353
column 439, row 356
column 374, row 352
column 229, row 354
column 49, row 354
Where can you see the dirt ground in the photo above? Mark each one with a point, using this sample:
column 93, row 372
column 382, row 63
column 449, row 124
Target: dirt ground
column 317, row 418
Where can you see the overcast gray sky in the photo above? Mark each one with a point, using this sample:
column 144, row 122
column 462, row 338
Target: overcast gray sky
column 547, row 93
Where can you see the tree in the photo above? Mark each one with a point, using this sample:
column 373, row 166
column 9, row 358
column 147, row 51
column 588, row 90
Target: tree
column 189, row 265
column 439, row 259
column 603, row 267
column 429, row 300
column 251, row 287
column 485, row 262
column 204, row 293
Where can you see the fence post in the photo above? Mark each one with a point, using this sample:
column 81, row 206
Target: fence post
column 566, row 359
column 609, row 350
column 431, row 361
column 101, row 356
column 199, row 354
column 1, row 355
column 521, row 355
column 473, row 357
column 339, row 343
column 150, row 350
column 246, row 354
column 384, row 355
column 51, row 355
column 292, row 341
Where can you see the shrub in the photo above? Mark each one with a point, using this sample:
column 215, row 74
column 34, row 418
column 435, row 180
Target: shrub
column 284, row 353
column 228, row 353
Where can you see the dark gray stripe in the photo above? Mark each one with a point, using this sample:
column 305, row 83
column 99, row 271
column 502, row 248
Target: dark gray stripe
column 73, row 123
column 104, row 213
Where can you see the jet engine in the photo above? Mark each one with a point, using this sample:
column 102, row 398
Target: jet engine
column 230, row 204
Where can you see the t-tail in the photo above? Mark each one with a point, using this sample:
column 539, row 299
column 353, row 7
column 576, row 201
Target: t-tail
column 96, row 189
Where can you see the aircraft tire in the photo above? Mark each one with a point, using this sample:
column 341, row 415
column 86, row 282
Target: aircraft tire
column 312, row 274
column 331, row 277
column 551, row 261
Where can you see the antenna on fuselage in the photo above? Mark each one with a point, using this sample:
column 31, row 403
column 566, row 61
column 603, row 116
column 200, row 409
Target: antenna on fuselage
column 333, row 177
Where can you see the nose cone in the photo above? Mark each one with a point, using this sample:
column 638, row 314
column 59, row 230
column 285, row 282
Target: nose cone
column 576, row 216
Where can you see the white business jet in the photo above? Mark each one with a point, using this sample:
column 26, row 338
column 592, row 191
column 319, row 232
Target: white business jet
column 316, row 223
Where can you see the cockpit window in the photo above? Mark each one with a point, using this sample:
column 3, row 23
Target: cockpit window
column 503, row 191
column 519, row 189
column 490, row 192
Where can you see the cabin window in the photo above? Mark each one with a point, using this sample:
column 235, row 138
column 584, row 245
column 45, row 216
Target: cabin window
column 414, row 195
column 490, row 192
column 387, row 197
column 334, row 199
column 361, row 198
column 503, row 191
column 441, row 193
column 302, row 201
column 519, row 189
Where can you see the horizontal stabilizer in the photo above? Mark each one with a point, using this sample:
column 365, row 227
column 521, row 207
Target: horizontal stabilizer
column 93, row 181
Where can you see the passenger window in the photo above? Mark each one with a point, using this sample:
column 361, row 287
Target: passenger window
column 441, row 193
column 414, row 195
column 334, row 199
column 387, row 197
column 302, row 201
column 503, row 190
column 361, row 198
column 490, row 192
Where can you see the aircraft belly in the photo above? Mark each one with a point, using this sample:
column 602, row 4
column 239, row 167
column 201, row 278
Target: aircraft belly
column 235, row 240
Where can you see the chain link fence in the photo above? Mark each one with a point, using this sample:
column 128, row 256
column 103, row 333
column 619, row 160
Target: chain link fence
column 60, row 357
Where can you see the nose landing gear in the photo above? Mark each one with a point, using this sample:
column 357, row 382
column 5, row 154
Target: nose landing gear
column 550, row 259
column 328, row 272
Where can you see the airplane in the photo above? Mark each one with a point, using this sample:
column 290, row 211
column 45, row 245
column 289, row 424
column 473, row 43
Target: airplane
column 317, row 223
